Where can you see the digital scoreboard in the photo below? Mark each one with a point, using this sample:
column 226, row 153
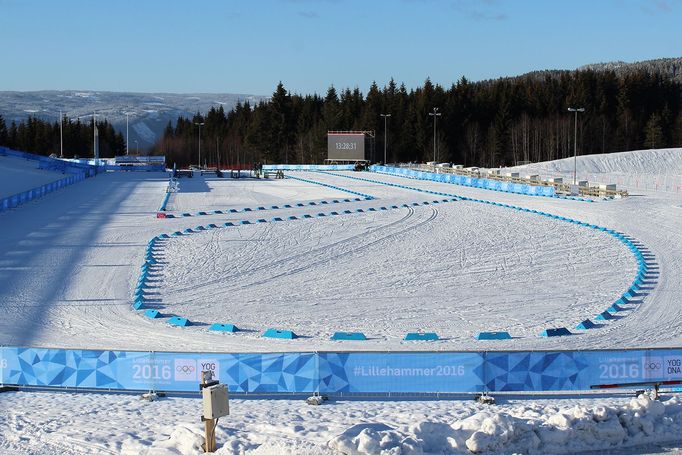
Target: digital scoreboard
column 346, row 146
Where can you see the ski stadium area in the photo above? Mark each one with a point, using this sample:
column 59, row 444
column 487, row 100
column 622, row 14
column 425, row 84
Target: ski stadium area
column 335, row 263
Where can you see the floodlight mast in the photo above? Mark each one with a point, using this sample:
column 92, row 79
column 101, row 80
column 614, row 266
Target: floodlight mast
column 435, row 114
column 199, row 124
column 385, row 116
column 575, row 141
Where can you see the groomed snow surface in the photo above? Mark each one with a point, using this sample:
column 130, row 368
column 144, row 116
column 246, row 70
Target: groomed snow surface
column 69, row 263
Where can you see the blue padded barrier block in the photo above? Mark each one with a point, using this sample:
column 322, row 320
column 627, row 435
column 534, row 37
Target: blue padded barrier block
column 299, row 205
column 350, row 336
column 312, row 203
column 321, row 214
column 383, row 208
column 274, row 206
column 292, row 217
column 585, row 325
column 360, row 211
column 203, row 213
column 212, row 226
column 493, row 336
column 615, row 308
column 604, row 316
column 283, row 334
column 176, row 233
column 164, row 236
column 178, row 321
column 186, row 214
column 262, row 220
column 347, row 211
column 307, row 216
column 417, row 336
column 230, row 328
column 334, row 213
column 324, row 202
column 233, row 210
column 287, row 206
column 199, row 228
column 261, row 208
column 139, row 304
column 245, row 222
column 218, row 212
column 277, row 219
column 228, row 224
column 246, row 209
column 555, row 332
column 188, row 231
column 152, row 314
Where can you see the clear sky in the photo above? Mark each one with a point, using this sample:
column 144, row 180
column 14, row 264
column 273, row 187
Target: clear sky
column 242, row 46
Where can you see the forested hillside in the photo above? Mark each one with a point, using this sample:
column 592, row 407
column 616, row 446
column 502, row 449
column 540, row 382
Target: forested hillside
column 489, row 123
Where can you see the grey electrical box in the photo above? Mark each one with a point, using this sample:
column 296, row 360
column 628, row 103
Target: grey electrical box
column 216, row 403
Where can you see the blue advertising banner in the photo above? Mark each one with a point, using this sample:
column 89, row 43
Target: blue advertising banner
column 401, row 372
column 339, row 372
column 308, row 167
column 520, row 188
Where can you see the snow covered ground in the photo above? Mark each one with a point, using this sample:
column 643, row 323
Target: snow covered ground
column 68, row 423
column 19, row 175
column 658, row 170
column 69, row 263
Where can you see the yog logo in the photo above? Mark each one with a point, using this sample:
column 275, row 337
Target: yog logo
column 212, row 365
column 185, row 370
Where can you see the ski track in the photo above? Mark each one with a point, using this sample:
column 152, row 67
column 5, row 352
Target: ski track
column 68, row 264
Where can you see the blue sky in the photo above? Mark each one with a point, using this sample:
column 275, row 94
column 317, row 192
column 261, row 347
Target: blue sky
column 236, row 46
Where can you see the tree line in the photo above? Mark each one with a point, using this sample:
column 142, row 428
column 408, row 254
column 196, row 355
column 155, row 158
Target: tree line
column 490, row 123
column 43, row 137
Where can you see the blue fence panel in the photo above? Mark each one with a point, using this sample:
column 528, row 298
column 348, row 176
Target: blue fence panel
column 404, row 372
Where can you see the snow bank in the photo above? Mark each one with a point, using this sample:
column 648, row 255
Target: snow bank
column 17, row 175
column 526, row 429
column 662, row 161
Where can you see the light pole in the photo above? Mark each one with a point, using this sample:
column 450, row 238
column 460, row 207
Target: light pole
column 199, row 124
column 385, row 116
column 94, row 138
column 61, row 135
column 127, row 137
column 435, row 114
column 137, row 148
column 575, row 141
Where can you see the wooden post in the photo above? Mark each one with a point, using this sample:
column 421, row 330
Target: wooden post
column 209, row 425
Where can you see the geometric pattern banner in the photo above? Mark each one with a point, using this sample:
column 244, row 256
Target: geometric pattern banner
column 338, row 372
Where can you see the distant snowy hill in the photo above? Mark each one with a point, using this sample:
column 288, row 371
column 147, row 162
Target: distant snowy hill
column 149, row 112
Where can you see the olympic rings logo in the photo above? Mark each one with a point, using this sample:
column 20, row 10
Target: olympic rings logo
column 652, row 366
column 185, row 369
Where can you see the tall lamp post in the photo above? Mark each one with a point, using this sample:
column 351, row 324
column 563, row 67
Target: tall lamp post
column 127, row 137
column 137, row 148
column 575, row 141
column 61, row 135
column 385, row 116
column 435, row 114
column 199, row 124
column 95, row 149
